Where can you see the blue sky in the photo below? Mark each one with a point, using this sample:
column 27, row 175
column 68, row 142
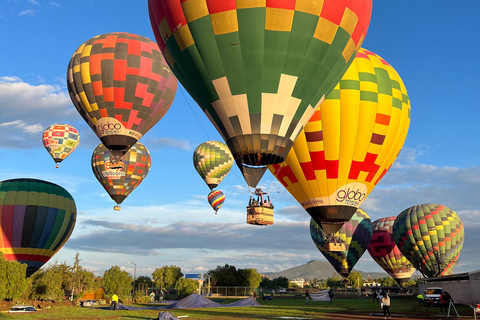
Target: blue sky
column 167, row 219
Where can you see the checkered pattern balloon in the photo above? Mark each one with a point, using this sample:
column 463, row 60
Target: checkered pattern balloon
column 431, row 237
column 356, row 235
column 350, row 142
column 36, row 219
column 259, row 69
column 385, row 252
column 119, row 182
column 60, row 140
column 212, row 160
column 121, row 86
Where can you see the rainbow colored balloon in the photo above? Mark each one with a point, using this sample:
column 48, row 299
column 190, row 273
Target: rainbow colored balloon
column 121, row 86
column 120, row 178
column 60, row 140
column 385, row 252
column 355, row 235
column 431, row 237
column 212, row 160
column 216, row 198
column 36, row 219
column 259, row 69
column 349, row 144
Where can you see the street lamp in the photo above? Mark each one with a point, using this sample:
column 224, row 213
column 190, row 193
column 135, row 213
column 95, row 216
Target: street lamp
column 134, row 277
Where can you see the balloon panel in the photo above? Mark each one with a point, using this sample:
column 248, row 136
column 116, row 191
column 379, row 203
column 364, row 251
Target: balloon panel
column 119, row 182
column 350, row 142
column 212, row 160
column 259, row 70
column 356, row 235
column 216, row 198
column 121, row 86
column 385, row 252
column 431, row 237
column 36, row 218
column 60, row 140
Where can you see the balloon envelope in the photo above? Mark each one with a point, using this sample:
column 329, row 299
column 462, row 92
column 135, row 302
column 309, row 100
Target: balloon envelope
column 120, row 179
column 60, row 140
column 385, row 252
column 431, row 237
column 356, row 235
column 121, row 86
column 212, row 160
column 259, row 69
column 349, row 144
column 36, row 218
column 216, row 198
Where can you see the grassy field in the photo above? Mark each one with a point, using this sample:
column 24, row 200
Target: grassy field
column 270, row 309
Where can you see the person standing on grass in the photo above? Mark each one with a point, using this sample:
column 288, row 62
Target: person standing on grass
column 114, row 302
column 307, row 295
column 330, row 295
column 385, row 305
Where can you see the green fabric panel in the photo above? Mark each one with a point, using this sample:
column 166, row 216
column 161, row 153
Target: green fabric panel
column 397, row 103
column 349, row 85
column 40, row 219
column 365, row 76
column 56, row 229
column 334, row 95
column 274, row 52
column 251, row 24
column 368, row 96
column 230, row 57
column 384, row 82
column 404, row 98
column 206, row 45
column 396, row 85
column 300, row 36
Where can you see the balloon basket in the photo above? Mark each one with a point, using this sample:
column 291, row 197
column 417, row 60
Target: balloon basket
column 56, row 166
column 117, row 208
column 334, row 246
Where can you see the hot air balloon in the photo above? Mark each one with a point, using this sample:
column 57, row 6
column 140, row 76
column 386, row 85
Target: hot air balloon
column 60, row 140
column 349, row 144
column 385, row 252
column 259, row 69
column 347, row 245
column 216, row 198
column 431, row 237
column 36, row 217
column 120, row 177
column 121, row 86
column 213, row 161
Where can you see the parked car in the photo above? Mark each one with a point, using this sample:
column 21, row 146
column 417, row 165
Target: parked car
column 22, row 308
column 89, row 303
column 282, row 290
column 432, row 295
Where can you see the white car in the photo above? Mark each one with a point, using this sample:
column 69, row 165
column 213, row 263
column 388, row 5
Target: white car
column 89, row 303
column 432, row 296
column 22, row 308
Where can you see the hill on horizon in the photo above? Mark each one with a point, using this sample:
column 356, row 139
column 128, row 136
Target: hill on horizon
column 319, row 270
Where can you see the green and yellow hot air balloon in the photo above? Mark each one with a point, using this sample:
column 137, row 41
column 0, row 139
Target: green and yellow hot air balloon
column 349, row 144
column 431, row 237
column 212, row 160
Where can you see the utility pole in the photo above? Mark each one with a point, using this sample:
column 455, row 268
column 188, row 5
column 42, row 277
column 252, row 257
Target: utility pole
column 75, row 266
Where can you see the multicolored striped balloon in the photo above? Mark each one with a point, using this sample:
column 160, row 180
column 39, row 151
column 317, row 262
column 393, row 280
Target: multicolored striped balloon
column 36, row 219
column 120, row 179
column 216, row 198
column 60, row 140
column 121, row 86
column 355, row 234
column 385, row 252
column 212, row 160
column 259, row 69
column 350, row 142
column 431, row 237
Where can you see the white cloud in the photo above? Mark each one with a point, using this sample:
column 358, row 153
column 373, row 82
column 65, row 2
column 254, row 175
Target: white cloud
column 35, row 3
column 54, row 4
column 28, row 12
column 169, row 143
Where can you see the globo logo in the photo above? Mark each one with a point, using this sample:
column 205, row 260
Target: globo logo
column 107, row 127
column 350, row 195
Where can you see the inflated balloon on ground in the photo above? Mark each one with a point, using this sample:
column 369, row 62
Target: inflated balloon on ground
column 36, row 219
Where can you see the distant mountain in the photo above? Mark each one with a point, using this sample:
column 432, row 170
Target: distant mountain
column 320, row 270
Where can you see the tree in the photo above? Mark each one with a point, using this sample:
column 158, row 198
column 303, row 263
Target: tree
column 281, row 282
column 333, row 282
column 117, row 281
column 186, row 286
column 51, row 283
column 166, row 277
column 225, row 276
column 251, row 277
column 355, row 279
column 12, row 279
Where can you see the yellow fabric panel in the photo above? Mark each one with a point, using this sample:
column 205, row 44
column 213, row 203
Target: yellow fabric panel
column 164, row 30
column 278, row 19
column 326, row 30
column 183, row 37
column 368, row 114
column 194, row 9
column 349, row 50
column 302, row 181
column 34, row 251
column 322, row 183
column 224, row 22
column 300, row 148
column 331, row 128
column 350, row 115
column 349, row 21
column 246, row 4
column 312, row 7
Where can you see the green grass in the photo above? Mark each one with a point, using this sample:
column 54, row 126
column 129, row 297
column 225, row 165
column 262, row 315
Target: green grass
column 270, row 309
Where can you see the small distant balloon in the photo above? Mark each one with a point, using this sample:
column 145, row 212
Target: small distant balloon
column 60, row 140
column 216, row 198
column 213, row 161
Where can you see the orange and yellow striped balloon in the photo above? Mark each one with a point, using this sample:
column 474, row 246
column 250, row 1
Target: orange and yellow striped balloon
column 350, row 142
